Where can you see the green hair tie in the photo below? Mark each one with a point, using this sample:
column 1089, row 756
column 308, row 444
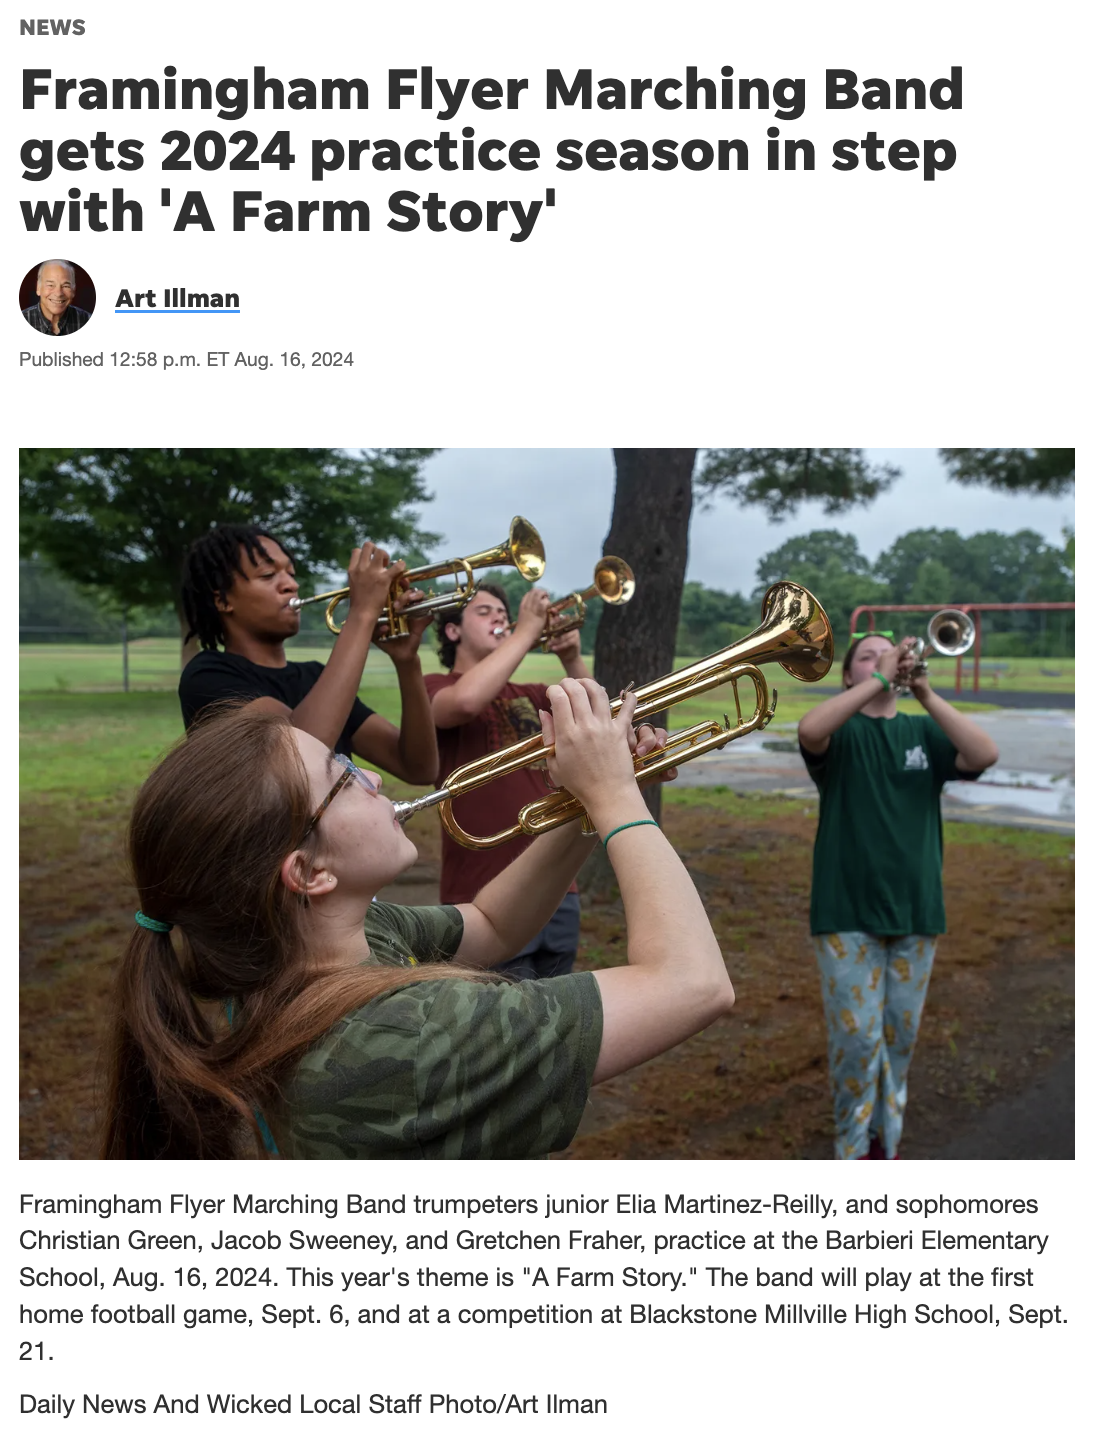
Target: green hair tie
column 161, row 927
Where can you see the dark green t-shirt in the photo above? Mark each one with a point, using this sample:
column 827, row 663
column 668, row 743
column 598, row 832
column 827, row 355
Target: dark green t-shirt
column 447, row 1068
column 877, row 862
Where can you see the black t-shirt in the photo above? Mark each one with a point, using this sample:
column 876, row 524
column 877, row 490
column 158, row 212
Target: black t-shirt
column 220, row 676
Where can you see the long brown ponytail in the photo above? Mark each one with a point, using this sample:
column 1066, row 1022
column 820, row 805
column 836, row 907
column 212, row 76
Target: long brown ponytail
column 209, row 831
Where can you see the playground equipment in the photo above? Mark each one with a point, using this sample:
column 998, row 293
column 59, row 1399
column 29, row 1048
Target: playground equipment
column 973, row 610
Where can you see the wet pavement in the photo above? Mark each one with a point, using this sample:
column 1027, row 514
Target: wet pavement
column 1037, row 1123
column 1032, row 786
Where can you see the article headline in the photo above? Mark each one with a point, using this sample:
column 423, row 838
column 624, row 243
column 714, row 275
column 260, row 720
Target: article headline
column 461, row 149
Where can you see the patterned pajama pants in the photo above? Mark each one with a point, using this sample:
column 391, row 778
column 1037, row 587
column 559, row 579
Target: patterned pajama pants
column 874, row 987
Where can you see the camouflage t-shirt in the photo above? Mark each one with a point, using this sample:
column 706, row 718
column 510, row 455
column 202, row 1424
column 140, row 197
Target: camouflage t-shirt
column 446, row 1069
column 409, row 934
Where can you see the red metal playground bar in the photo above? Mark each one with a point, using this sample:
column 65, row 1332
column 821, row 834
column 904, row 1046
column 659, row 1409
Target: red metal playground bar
column 973, row 609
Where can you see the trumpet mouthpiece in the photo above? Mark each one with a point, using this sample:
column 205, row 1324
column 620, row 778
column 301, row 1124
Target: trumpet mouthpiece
column 296, row 603
column 405, row 809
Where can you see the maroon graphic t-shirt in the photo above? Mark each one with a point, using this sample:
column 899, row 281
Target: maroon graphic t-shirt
column 512, row 716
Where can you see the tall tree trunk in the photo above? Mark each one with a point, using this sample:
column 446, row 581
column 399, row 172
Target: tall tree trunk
column 649, row 530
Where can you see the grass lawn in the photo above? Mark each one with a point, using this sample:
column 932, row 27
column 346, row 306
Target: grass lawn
column 153, row 666
column 80, row 731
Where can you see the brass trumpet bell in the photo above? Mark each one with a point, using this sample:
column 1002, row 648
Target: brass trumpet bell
column 613, row 582
column 951, row 632
column 794, row 632
column 522, row 549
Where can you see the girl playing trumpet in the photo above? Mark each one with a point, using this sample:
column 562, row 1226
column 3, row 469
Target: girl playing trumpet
column 265, row 995
column 876, row 910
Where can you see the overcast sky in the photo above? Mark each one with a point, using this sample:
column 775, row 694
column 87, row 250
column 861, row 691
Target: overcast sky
column 567, row 494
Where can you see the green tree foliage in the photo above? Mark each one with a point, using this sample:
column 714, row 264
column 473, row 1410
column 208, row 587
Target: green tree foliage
column 814, row 550
column 119, row 520
column 778, row 479
column 898, row 566
column 932, row 566
column 933, row 583
column 711, row 619
column 1045, row 470
column 510, row 581
column 594, row 611
column 53, row 608
column 831, row 565
column 986, row 567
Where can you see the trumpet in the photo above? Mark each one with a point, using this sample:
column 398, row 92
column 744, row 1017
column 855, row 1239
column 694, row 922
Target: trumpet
column 794, row 632
column 522, row 549
column 613, row 582
column 949, row 633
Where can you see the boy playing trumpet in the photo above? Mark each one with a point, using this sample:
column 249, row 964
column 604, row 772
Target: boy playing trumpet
column 238, row 583
column 478, row 709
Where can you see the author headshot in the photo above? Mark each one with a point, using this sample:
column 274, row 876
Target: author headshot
column 48, row 297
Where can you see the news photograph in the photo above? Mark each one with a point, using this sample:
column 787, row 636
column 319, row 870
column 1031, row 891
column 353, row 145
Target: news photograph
column 660, row 807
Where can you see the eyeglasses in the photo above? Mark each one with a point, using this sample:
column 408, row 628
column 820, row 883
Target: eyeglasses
column 351, row 772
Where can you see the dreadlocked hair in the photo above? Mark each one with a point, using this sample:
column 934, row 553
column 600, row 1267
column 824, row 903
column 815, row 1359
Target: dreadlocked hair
column 184, row 1079
column 211, row 566
column 446, row 647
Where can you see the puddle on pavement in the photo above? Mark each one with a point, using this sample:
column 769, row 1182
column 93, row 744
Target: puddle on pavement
column 1031, row 791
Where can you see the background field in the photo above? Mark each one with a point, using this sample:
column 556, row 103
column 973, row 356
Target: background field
column 153, row 666
column 81, row 732
column 999, row 1016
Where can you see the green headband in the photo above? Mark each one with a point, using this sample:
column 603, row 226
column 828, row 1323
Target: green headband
column 858, row 635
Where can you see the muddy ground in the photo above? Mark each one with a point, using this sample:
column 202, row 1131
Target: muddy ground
column 990, row 1077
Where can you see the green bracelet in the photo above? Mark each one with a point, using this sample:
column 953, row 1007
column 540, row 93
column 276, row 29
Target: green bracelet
column 625, row 827
column 882, row 679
